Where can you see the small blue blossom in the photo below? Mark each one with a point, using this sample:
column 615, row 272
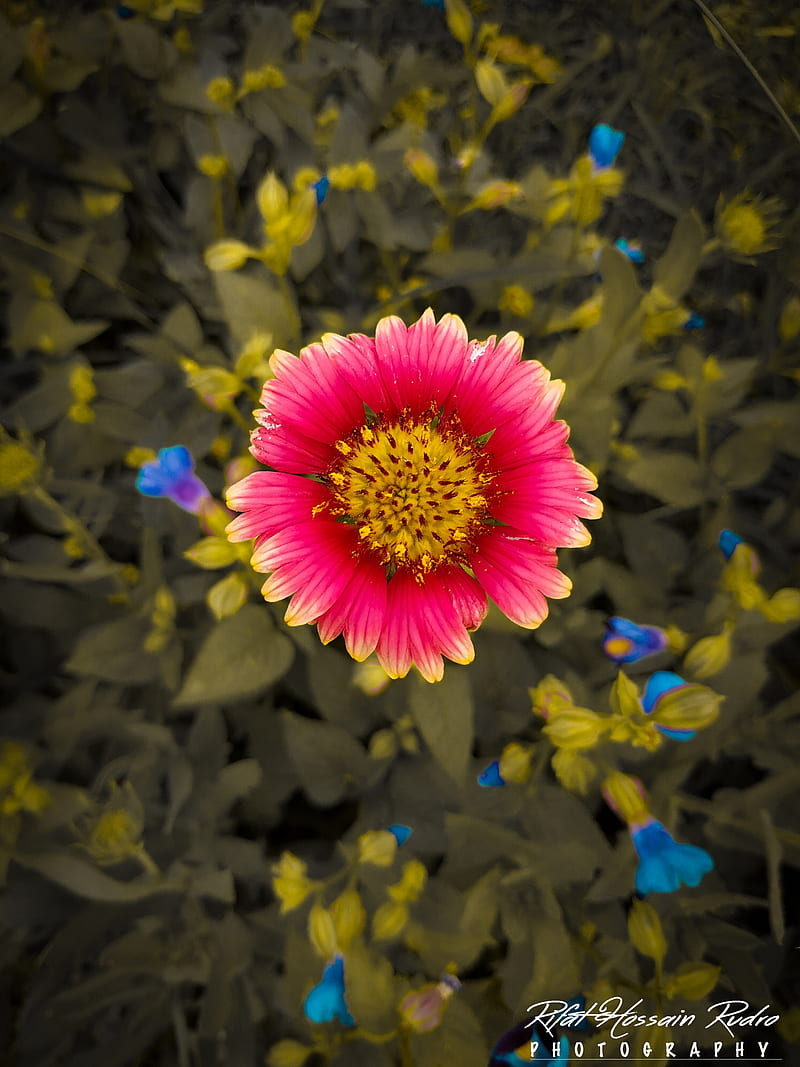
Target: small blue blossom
column 434, row 3
column 604, row 145
column 626, row 641
column 400, row 833
column 326, row 1000
column 633, row 252
column 490, row 777
column 124, row 12
column 728, row 543
column 321, row 188
column 172, row 475
column 694, row 322
column 657, row 686
column 663, row 863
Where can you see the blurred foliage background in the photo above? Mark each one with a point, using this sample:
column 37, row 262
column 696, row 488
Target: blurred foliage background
column 185, row 781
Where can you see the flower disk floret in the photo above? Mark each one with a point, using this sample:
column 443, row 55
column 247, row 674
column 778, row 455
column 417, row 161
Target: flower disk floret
column 414, row 475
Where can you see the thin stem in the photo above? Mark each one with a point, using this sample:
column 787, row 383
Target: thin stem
column 725, row 34
column 71, row 524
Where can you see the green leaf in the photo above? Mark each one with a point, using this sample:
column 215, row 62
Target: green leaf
column 675, row 270
column 673, row 477
column 458, row 1040
column 369, row 982
column 240, row 657
column 621, row 293
column 444, row 715
column 113, row 651
column 327, row 758
column 744, row 458
column 18, row 108
column 85, row 880
column 251, row 304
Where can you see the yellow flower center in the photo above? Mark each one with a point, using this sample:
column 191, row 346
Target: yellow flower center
column 745, row 228
column 416, row 489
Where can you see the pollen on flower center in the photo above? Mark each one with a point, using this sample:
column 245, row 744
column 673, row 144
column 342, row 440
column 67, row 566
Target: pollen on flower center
column 417, row 489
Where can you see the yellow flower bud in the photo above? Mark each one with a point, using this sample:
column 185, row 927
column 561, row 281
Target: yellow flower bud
column 495, row 194
column 676, row 638
column 670, row 380
column 576, row 728
column 783, row 606
column 711, row 371
column 272, row 198
column 513, row 99
column 81, row 383
column 302, row 216
column 515, row 763
column 459, row 20
column 710, row 654
column 213, row 166
column 18, row 466
column 225, row 597
column 349, row 917
column 491, row 81
column 410, row 886
column 690, row 707
column 422, row 167
column 221, row 91
column 370, row 678
column 266, row 77
column 321, row 932
column 389, row 920
column 626, row 796
column 574, row 770
column 550, row 697
column 377, row 847
column 288, row 1053
column 215, row 386
column 290, row 884
column 227, row 254
column 625, row 697
column 365, row 176
column 211, row 553
column 136, row 456
column 383, row 744
column 692, row 981
column 303, row 24
column 645, row 931
column 100, row 205
column 517, row 300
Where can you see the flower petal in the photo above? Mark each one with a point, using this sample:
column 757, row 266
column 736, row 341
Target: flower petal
column 358, row 612
column 516, row 573
column 269, row 501
column 312, row 561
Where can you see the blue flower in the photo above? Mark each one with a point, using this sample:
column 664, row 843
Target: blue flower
column 633, row 252
column 504, row 1052
column 434, row 3
column 401, row 833
column 321, row 188
column 626, row 641
column 124, row 12
column 604, row 145
column 657, row 686
column 326, row 1000
column 663, row 863
column 172, row 475
column 694, row 322
column 728, row 543
column 490, row 777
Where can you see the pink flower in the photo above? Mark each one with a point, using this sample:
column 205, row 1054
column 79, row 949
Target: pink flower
column 412, row 475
